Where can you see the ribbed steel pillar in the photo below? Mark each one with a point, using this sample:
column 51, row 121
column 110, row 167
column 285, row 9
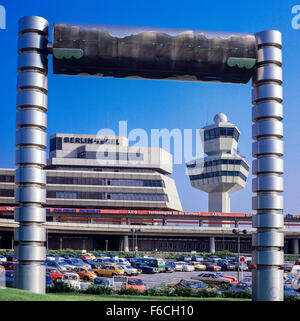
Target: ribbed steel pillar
column 31, row 139
column 267, row 131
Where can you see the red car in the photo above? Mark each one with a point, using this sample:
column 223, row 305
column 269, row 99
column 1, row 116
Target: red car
column 252, row 266
column 54, row 273
column 213, row 267
column 134, row 283
column 84, row 257
column 9, row 266
column 233, row 279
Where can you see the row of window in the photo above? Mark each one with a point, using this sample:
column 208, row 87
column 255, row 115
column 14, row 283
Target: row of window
column 91, row 181
column 108, row 196
column 218, row 174
column 222, row 162
column 221, row 132
column 106, row 169
column 137, row 197
column 111, row 155
column 102, row 181
column 7, row 178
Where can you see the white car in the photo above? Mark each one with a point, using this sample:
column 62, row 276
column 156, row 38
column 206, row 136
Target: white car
column 129, row 270
column 72, row 280
column 188, row 268
column 2, row 258
column 178, row 266
column 123, row 261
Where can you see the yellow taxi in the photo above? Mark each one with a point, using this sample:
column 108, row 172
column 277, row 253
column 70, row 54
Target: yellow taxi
column 93, row 257
column 109, row 270
column 199, row 267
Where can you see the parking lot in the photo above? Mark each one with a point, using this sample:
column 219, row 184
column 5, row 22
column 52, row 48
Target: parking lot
column 147, row 269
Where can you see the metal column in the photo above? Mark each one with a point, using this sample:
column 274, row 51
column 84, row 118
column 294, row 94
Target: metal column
column 267, row 131
column 31, row 140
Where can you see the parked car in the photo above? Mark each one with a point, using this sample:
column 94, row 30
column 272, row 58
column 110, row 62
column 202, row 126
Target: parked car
column 129, row 270
column 199, row 266
column 240, row 286
column 297, row 262
column 210, row 266
column 213, row 258
column 2, row 259
column 109, row 270
column 50, row 257
column 251, row 266
column 77, row 262
column 226, row 265
column 134, row 283
column 296, row 283
column 188, row 268
column 170, row 267
column 230, row 277
column 178, row 266
column 197, row 258
column 158, row 263
column 105, row 282
column 92, row 263
column 295, row 270
column 49, row 281
column 9, row 278
column 56, row 264
column 9, row 265
column 146, row 268
column 72, row 280
column 123, row 261
column 185, row 258
column 54, row 273
column 89, row 255
column 191, row 284
column 286, row 267
column 241, row 266
column 84, row 273
column 212, row 278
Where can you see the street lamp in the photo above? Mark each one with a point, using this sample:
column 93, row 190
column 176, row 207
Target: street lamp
column 134, row 239
column 238, row 232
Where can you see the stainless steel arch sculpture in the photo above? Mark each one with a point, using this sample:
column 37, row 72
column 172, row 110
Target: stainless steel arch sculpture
column 150, row 53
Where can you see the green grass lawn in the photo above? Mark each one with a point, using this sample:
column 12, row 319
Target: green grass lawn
column 10, row 294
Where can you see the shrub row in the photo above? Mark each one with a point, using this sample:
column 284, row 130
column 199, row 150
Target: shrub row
column 60, row 287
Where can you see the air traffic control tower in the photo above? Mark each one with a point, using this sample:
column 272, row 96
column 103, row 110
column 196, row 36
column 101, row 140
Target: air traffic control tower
column 223, row 171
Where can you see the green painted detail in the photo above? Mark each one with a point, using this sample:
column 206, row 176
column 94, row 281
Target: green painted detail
column 241, row 62
column 61, row 53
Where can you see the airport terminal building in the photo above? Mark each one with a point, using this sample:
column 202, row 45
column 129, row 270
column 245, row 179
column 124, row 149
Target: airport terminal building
column 91, row 171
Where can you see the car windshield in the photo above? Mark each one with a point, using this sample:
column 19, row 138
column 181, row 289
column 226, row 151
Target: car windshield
column 128, row 266
column 135, row 282
column 101, row 281
column 70, row 277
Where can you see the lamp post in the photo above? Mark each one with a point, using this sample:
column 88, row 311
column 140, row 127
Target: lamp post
column 134, row 239
column 238, row 232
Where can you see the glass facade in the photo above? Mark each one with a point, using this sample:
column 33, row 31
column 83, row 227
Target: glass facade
column 7, row 178
column 102, row 181
column 107, row 196
column 218, row 174
column 111, row 155
column 7, row 192
column 221, row 162
column 221, row 132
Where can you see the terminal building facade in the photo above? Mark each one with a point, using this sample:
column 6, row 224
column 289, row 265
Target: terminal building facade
column 91, row 171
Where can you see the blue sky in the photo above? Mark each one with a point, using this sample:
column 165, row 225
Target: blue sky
column 82, row 104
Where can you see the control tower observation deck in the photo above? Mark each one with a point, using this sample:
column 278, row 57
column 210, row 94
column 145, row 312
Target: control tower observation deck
column 223, row 171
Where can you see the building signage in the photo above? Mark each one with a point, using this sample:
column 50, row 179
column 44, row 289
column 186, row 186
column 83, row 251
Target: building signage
column 82, row 140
